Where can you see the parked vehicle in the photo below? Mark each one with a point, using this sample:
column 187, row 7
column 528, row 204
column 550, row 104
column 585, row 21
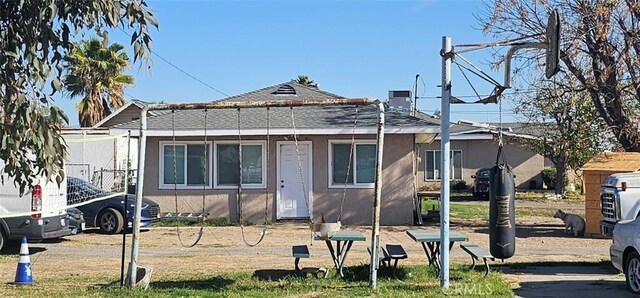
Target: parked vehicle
column 75, row 220
column 109, row 214
column 625, row 252
column 45, row 197
column 480, row 187
column 620, row 200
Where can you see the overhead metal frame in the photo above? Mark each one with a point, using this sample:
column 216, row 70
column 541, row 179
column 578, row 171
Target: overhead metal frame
column 375, row 228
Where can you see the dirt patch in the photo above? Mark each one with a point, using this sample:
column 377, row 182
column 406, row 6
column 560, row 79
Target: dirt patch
column 221, row 249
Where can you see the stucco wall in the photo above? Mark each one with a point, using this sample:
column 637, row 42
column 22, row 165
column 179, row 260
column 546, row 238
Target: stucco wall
column 129, row 114
column 397, row 190
column 478, row 154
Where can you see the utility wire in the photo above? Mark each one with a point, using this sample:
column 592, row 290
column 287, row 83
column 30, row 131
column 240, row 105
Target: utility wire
column 180, row 69
column 470, row 112
column 188, row 74
column 518, row 91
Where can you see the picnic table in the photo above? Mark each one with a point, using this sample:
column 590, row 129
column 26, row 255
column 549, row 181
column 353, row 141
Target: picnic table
column 344, row 240
column 430, row 240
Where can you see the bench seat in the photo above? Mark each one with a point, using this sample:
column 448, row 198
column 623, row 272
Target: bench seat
column 302, row 252
column 476, row 252
column 391, row 252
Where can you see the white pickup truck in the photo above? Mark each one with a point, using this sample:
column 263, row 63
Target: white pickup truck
column 620, row 200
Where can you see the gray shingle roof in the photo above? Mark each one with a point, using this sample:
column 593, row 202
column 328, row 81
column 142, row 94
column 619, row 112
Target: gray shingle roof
column 310, row 117
column 270, row 93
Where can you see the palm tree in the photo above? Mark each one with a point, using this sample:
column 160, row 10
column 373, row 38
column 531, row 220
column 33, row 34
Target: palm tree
column 94, row 71
column 304, row 80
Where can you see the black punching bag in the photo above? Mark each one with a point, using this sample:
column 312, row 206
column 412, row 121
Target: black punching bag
column 502, row 194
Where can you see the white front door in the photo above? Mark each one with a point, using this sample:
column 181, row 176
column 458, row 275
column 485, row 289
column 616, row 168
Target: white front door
column 292, row 202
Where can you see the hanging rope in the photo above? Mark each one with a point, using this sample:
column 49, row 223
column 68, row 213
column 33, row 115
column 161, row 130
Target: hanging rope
column 266, row 189
column 304, row 190
column 175, row 182
column 351, row 150
column 239, row 199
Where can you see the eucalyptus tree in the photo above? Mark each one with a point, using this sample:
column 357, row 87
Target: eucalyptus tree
column 35, row 36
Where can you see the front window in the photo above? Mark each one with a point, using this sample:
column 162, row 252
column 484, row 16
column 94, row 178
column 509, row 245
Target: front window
column 361, row 172
column 227, row 166
column 433, row 164
column 184, row 164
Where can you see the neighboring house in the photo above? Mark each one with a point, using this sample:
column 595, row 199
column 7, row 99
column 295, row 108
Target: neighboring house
column 324, row 135
column 95, row 156
column 475, row 146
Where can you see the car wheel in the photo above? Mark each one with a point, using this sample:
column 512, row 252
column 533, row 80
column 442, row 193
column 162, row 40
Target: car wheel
column 633, row 272
column 2, row 239
column 110, row 221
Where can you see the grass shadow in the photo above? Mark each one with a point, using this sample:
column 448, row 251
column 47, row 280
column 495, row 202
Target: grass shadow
column 361, row 273
column 274, row 274
column 215, row 283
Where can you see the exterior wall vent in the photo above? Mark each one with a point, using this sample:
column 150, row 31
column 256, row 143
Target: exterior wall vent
column 285, row 90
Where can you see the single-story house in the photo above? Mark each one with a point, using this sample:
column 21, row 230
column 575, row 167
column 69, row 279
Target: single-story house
column 203, row 161
column 474, row 146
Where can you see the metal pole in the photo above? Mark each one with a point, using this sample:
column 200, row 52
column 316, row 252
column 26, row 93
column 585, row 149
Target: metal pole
column 126, row 204
column 415, row 97
column 445, row 148
column 375, row 228
column 133, row 265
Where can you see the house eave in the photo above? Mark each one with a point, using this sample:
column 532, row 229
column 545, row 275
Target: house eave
column 280, row 131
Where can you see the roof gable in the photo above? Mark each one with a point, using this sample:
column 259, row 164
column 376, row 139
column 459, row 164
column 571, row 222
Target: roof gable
column 284, row 91
column 126, row 113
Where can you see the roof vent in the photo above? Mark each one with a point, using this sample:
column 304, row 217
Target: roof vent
column 285, row 90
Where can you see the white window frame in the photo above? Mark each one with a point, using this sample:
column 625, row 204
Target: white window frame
column 263, row 145
column 451, row 178
column 353, row 164
column 163, row 144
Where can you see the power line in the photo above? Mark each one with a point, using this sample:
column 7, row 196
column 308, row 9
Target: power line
column 471, row 112
column 189, row 75
column 181, row 70
column 515, row 92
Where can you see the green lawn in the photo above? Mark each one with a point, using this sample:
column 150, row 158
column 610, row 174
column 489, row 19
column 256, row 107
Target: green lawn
column 211, row 222
column 474, row 211
column 413, row 281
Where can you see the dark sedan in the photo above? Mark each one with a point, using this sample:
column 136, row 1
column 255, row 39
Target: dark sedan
column 108, row 214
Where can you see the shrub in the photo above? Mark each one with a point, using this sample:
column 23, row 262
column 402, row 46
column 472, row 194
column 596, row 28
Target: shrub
column 549, row 178
column 455, row 185
column 458, row 185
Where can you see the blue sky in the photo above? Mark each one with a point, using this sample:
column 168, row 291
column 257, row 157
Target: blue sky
column 351, row 48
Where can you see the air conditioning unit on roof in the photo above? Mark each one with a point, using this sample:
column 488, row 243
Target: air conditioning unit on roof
column 400, row 100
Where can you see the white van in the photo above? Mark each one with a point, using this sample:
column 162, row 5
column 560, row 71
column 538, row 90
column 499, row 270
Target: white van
column 38, row 214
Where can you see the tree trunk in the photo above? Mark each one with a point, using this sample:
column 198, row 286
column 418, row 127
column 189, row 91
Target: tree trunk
column 561, row 170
